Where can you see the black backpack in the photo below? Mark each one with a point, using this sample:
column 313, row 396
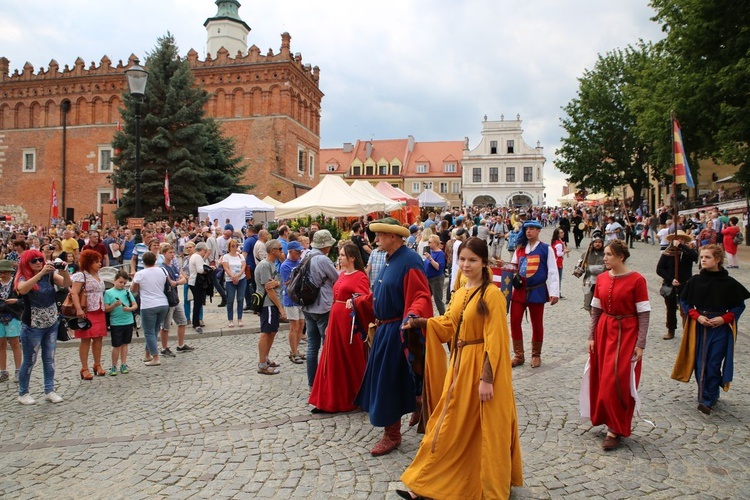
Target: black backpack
column 301, row 288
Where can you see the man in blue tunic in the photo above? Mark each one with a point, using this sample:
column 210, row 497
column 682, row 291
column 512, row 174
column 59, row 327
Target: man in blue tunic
column 392, row 378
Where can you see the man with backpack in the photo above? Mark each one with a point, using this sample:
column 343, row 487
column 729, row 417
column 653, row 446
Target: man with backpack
column 323, row 275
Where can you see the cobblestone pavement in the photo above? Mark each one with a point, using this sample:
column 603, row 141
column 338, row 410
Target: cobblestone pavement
column 206, row 425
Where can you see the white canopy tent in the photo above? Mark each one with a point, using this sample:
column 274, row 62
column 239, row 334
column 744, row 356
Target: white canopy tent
column 271, row 201
column 371, row 193
column 568, row 199
column 238, row 207
column 332, row 197
column 429, row 198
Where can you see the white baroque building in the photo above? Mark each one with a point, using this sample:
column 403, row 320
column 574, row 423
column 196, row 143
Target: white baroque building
column 503, row 170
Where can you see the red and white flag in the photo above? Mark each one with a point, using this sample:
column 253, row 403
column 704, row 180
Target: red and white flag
column 166, row 191
column 54, row 209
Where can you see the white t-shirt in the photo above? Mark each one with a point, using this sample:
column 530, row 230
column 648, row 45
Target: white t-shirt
column 235, row 266
column 151, row 287
column 662, row 235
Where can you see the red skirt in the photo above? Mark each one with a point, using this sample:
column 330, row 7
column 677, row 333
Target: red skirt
column 98, row 326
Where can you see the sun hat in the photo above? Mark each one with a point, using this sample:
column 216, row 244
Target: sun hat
column 686, row 237
column 323, row 239
column 388, row 225
column 6, row 265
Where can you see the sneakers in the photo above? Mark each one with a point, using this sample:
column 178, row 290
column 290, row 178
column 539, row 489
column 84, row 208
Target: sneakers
column 52, row 397
column 4, row 376
column 198, row 329
column 113, row 371
column 26, row 399
column 153, row 362
column 15, row 377
column 124, row 369
column 168, row 352
column 184, row 348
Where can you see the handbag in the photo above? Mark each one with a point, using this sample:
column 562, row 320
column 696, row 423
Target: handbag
column 68, row 308
column 62, row 330
column 256, row 301
column 173, row 298
column 666, row 290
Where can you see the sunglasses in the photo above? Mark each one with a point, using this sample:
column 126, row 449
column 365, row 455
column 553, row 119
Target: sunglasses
column 37, row 260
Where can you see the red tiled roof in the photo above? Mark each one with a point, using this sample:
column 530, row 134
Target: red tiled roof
column 334, row 156
column 388, row 149
column 436, row 154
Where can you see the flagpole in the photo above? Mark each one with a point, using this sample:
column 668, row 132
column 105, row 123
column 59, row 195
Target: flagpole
column 674, row 171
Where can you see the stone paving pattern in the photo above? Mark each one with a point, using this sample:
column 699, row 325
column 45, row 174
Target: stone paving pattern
column 206, row 425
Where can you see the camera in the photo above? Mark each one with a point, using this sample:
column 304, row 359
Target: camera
column 59, row 264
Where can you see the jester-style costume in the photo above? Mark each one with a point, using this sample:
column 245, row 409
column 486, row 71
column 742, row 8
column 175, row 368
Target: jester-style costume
column 537, row 280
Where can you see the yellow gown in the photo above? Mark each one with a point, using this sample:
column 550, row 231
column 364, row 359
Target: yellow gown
column 471, row 450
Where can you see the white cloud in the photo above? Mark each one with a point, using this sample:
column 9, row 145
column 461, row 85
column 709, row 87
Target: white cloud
column 429, row 68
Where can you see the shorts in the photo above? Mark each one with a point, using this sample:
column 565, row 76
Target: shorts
column 269, row 319
column 294, row 313
column 12, row 329
column 178, row 314
column 121, row 334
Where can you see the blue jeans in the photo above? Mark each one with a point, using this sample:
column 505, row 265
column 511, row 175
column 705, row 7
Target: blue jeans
column 32, row 339
column 235, row 292
column 316, row 332
column 151, row 321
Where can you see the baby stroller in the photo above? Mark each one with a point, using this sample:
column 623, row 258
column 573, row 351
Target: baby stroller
column 640, row 231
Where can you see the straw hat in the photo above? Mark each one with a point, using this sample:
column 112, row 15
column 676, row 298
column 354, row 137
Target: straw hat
column 682, row 235
column 389, row 225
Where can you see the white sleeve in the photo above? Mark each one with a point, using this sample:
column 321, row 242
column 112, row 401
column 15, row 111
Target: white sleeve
column 553, row 277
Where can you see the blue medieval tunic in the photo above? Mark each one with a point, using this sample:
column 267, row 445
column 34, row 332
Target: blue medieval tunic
column 390, row 384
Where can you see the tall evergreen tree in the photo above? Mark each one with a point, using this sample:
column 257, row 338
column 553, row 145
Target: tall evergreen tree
column 176, row 137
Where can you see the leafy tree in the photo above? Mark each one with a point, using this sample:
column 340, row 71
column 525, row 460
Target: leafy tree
column 603, row 149
column 710, row 43
column 177, row 137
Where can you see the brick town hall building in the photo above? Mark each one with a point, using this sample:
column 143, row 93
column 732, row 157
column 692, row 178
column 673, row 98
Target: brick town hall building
column 58, row 124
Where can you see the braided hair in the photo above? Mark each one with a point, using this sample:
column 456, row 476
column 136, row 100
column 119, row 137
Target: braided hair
column 479, row 247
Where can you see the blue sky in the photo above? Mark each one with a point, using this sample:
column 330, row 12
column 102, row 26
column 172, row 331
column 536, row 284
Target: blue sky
column 427, row 68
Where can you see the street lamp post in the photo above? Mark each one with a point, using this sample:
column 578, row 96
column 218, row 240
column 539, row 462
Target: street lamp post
column 137, row 78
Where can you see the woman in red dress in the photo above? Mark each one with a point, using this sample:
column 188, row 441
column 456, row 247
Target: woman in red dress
column 619, row 323
column 730, row 247
column 343, row 359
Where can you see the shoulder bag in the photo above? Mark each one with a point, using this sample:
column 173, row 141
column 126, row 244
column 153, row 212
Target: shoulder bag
column 173, row 297
column 68, row 308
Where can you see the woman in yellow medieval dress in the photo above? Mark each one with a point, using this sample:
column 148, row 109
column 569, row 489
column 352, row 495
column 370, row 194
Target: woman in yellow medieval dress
column 471, row 449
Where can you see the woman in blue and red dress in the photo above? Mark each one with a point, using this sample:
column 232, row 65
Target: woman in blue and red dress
column 343, row 358
column 620, row 312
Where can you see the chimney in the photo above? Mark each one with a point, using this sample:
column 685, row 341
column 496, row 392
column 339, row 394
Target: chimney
column 368, row 150
column 348, row 146
column 4, row 68
column 410, row 144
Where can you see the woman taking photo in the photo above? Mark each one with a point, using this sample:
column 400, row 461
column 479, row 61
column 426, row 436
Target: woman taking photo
column 434, row 269
column 343, row 359
column 619, row 324
column 91, row 338
column 234, row 281
column 714, row 302
column 35, row 282
column 472, row 418
column 57, row 251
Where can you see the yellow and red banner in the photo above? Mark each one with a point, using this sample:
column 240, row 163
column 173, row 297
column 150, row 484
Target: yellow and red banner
column 681, row 168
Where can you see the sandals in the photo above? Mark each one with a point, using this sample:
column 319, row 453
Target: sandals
column 86, row 374
column 272, row 364
column 230, row 325
column 99, row 371
column 268, row 370
column 240, row 324
column 295, row 358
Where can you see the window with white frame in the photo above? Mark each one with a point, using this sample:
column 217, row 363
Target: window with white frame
column 28, row 159
column 450, row 168
column 493, row 147
column 331, row 168
column 511, row 146
column 456, row 187
column 311, row 165
column 510, row 174
column 493, row 174
column 105, row 158
column 528, row 174
column 103, row 195
column 382, row 169
column 300, row 161
column 443, row 188
column 476, row 174
column 415, row 187
column 422, row 168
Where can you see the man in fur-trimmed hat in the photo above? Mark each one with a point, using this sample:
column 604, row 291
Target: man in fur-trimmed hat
column 392, row 383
